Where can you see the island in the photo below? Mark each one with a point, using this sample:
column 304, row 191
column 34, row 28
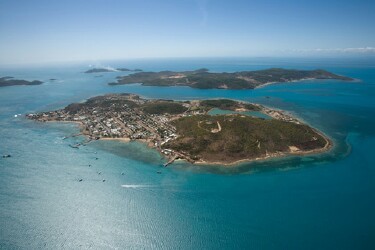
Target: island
column 216, row 131
column 105, row 70
column 10, row 81
column 203, row 79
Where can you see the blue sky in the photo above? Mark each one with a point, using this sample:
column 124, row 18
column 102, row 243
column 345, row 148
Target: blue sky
column 41, row 31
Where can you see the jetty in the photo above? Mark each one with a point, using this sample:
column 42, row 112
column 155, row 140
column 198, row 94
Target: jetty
column 170, row 161
column 71, row 136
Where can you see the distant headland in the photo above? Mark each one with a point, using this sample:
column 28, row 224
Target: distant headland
column 105, row 70
column 237, row 132
column 203, row 79
column 10, row 81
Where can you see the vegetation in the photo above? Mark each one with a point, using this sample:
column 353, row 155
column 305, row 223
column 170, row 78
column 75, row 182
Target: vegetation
column 108, row 102
column 220, row 103
column 251, row 107
column 227, row 104
column 239, row 80
column 162, row 107
column 10, row 81
column 241, row 137
column 99, row 70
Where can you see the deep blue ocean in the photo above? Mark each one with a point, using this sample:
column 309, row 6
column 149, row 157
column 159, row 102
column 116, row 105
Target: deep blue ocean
column 324, row 201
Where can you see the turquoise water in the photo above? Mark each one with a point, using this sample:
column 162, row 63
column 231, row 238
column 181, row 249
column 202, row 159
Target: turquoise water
column 315, row 202
column 216, row 111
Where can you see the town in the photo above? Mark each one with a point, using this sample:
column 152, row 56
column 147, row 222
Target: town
column 122, row 118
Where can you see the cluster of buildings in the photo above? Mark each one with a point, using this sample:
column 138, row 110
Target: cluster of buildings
column 279, row 115
column 115, row 116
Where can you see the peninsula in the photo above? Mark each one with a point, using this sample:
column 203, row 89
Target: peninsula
column 104, row 70
column 10, row 81
column 188, row 130
column 203, row 79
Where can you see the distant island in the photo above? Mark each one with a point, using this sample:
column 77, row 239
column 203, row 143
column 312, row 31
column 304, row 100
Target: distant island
column 104, row 70
column 10, row 81
column 219, row 131
column 203, row 79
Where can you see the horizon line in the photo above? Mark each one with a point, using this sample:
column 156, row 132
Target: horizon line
column 106, row 60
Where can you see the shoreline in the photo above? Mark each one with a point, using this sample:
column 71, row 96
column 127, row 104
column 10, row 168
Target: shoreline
column 123, row 139
column 304, row 80
column 252, row 79
column 256, row 87
column 301, row 80
column 327, row 147
column 176, row 155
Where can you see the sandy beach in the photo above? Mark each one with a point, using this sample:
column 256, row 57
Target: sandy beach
column 115, row 139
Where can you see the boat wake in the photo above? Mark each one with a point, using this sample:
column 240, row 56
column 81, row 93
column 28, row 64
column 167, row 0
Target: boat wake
column 135, row 186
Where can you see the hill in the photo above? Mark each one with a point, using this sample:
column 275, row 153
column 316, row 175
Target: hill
column 203, row 79
column 10, row 81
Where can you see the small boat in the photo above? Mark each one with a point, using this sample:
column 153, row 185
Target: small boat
column 159, row 172
column 7, row 156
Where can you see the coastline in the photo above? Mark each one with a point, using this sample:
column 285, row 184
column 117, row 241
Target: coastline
column 273, row 112
column 249, row 79
column 270, row 83
column 123, row 139
column 304, row 80
column 326, row 148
